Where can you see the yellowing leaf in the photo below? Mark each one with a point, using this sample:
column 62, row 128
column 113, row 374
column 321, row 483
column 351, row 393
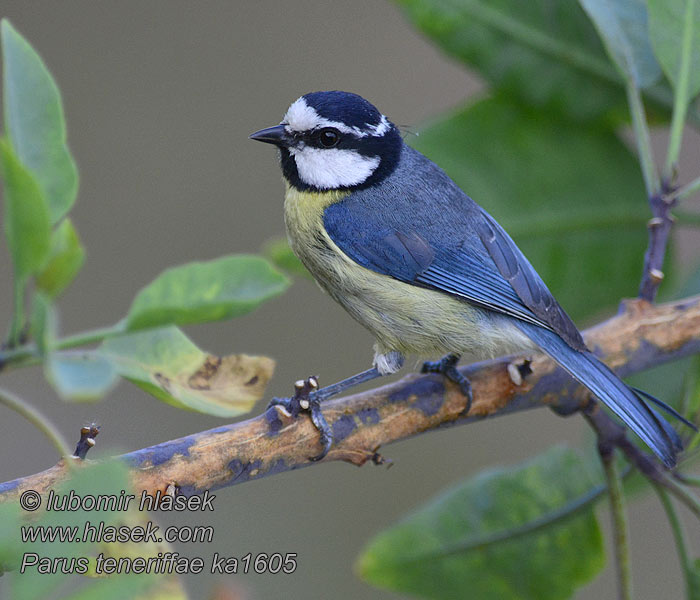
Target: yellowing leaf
column 166, row 364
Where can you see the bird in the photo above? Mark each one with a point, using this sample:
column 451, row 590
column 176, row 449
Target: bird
column 398, row 244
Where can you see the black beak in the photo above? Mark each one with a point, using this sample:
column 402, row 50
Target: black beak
column 272, row 135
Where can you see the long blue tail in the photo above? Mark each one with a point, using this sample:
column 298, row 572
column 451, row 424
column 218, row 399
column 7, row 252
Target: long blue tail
column 625, row 402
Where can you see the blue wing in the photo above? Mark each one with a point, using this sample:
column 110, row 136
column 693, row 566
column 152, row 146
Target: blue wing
column 455, row 247
column 490, row 272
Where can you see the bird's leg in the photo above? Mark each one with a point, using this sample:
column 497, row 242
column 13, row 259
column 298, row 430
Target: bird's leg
column 447, row 366
column 332, row 390
column 307, row 397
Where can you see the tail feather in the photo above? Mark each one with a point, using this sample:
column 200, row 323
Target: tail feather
column 665, row 407
column 625, row 402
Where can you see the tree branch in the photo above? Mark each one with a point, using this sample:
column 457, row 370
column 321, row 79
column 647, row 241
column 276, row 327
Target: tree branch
column 641, row 336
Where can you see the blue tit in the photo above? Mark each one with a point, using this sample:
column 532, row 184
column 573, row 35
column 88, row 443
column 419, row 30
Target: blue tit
column 417, row 262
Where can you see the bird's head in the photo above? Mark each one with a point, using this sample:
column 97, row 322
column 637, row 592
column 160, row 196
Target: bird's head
column 334, row 141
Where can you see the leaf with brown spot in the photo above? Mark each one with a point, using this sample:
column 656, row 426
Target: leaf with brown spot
column 166, row 364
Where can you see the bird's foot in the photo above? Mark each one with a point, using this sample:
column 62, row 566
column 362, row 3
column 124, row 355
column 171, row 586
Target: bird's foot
column 306, row 399
column 447, row 366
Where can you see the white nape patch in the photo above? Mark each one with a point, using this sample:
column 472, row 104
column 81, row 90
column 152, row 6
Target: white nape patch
column 332, row 168
column 302, row 117
column 381, row 129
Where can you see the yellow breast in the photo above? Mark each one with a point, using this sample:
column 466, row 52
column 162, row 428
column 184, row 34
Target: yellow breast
column 303, row 217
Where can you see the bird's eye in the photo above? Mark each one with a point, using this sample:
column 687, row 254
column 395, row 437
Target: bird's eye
column 328, row 137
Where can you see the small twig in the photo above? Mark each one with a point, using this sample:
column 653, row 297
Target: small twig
column 678, row 536
column 39, row 421
column 659, row 227
column 660, row 224
column 88, row 433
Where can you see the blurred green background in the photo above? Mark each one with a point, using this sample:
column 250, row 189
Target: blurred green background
column 160, row 97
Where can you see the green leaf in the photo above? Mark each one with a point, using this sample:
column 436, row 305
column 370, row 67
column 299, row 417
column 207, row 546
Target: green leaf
column 546, row 54
column 27, row 226
column 80, row 376
column 106, row 478
column 34, row 121
column 571, row 196
column 206, row 291
column 670, row 23
column 623, row 27
column 43, row 324
column 280, row 254
column 497, row 535
column 102, row 481
column 166, row 364
column 66, row 258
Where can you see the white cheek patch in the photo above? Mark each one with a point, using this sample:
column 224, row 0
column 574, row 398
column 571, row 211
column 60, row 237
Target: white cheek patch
column 333, row 168
column 301, row 117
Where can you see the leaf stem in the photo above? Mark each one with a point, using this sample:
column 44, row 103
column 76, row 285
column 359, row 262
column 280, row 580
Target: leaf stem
column 92, row 336
column 619, row 521
column 680, row 99
column 39, row 421
column 694, row 481
column 683, row 495
column 642, row 138
column 685, row 191
column 27, row 354
column 678, row 536
column 17, row 323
